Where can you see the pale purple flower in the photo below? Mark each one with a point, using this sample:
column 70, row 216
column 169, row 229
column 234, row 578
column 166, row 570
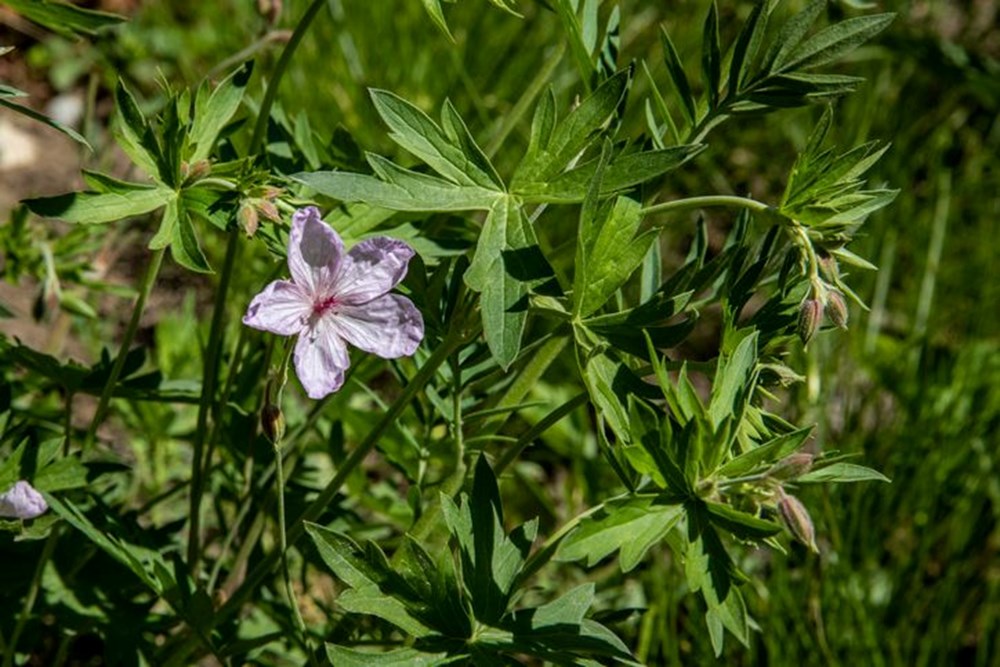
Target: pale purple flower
column 335, row 298
column 21, row 501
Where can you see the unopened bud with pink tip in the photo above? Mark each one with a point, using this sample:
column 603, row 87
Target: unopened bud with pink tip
column 792, row 466
column 836, row 308
column 796, row 518
column 810, row 316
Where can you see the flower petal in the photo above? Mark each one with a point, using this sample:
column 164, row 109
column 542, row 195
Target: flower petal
column 314, row 252
column 22, row 502
column 282, row 308
column 389, row 326
column 320, row 360
column 371, row 269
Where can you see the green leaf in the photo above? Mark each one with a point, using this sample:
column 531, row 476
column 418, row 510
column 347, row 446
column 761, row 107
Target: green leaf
column 609, row 254
column 767, row 453
column 343, row 656
column 220, row 107
column 571, row 136
column 41, row 118
column 622, row 173
column 141, row 562
column 184, row 246
column 400, row 189
column 456, row 157
column 711, row 55
column 64, row 18
column 843, row 472
column 566, row 610
column 134, row 134
column 832, row 42
column 631, row 525
column 676, row 70
column 747, row 45
column 742, row 525
column 732, row 383
column 371, row 601
column 491, row 560
column 90, row 208
column 433, row 9
column 505, row 265
column 790, row 35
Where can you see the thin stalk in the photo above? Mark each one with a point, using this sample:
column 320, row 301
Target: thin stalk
column 541, row 427
column 145, row 289
column 29, row 600
column 271, row 93
column 543, row 555
column 729, row 201
column 527, row 379
column 209, row 378
column 452, row 343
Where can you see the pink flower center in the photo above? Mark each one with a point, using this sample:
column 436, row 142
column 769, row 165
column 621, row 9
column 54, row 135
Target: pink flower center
column 323, row 306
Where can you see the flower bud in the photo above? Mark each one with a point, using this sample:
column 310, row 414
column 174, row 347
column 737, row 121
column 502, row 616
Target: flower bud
column 810, row 316
column 268, row 210
column 792, row 466
column 248, row 218
column 797, row 520
column 270, row 10
column 22, row 501
column 272, row 423
column 836, row 308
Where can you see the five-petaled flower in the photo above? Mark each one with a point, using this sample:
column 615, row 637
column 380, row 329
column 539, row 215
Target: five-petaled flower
column 335, row 297
column 21, row 501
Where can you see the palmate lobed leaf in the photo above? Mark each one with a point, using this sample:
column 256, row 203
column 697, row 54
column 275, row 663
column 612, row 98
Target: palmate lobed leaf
column 451, row 151
column 631, row 526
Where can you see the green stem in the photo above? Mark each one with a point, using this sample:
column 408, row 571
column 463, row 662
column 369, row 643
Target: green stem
column 453, row 342
column 271, row 93
column 526, row 380
column 711, row 201
column 29, row 600
column 116, row 370
column 543, row 425
column 543, row 555
column 210, row 374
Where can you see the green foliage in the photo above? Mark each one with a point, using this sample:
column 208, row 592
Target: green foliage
column 603, row 451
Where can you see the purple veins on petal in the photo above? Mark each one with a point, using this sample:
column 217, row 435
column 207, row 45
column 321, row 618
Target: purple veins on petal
column 372, row 268
column 22, row 501
column 335, row 298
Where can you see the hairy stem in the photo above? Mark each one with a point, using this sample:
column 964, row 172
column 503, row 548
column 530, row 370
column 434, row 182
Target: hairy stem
column 29, row 599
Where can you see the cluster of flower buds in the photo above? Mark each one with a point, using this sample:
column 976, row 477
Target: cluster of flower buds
column 191, row 173
column 259, row 203
column 823, row 300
